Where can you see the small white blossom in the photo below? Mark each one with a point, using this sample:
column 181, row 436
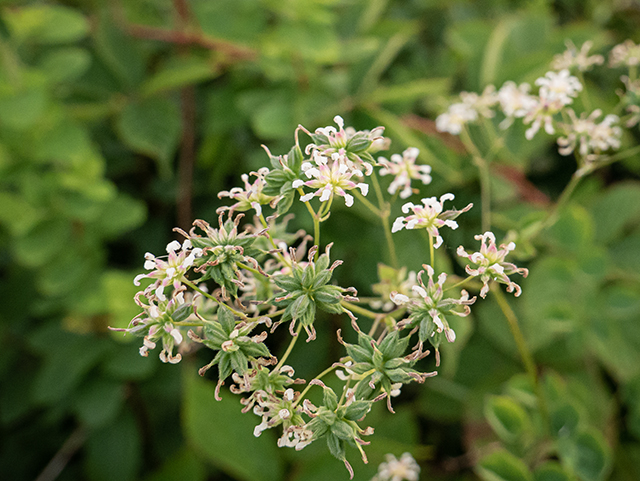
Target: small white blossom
column 429, row 216
column 626, row 53
column 560, row 86
column 491, row 264
column 455, row 118
column 589, row 135
column 573, row 58
column 170, row 271
column 251, row 196
column 404, row 168
column 393, row 469
column 515, row 102
column 329, row 177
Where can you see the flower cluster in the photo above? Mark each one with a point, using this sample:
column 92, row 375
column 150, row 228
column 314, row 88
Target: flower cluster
column 428, row 308
column 490, row 264
column 227, row 288
column 548, row 109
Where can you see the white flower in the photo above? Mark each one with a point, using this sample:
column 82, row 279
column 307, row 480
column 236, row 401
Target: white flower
column 251, row 196
column 573, row 58
column 481, row 103
column 491, row 264
column 626, row 53
column 560, row 86
column 515, row 101
column 331, row 177
column 455, row 118
column 393, row 469
column 170, row 271
column 589, row 135
column 429, row 216
column 404, row 168
column 542, row 114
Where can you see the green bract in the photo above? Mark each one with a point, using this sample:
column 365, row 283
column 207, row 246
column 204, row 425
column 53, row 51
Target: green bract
column 233, row 345
column 222, row 249
column 381, row 365
column 306, row 290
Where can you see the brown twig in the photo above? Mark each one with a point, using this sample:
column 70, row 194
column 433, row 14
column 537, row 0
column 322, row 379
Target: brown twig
column 53, row 469
column 191, row 38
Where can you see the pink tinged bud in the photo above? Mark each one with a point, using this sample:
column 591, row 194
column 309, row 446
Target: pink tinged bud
column 257, row 431
column 420, row 291
column 307, row 197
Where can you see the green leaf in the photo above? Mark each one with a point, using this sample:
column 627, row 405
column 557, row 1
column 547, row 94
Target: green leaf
column 503, row 466
column 68, row 358
column 43, row 242
column 587, row 454
column 226, row 319
column 152, row 127
column 20, row 109
column 223, row 435
column 564, row 420
column 183, row 465
column 119, row 51
column 120, row 215
column 616, row 209
column 65, row 64
column 98, row 402
column 180, row 72
column 413, row 90
column 551, row 471
column 330, row 399
column 114, row 452
column 507, row 418
column 48, row 24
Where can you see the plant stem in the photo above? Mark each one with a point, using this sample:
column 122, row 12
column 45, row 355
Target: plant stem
column 485, row 192
column 190, row 284
column 432, row 252
column 306, row 389
column 384, row 213
column 458, row 284
column 562, row 201
column 525, row 353
column 289, row 348
column 366, row 202
column 359, row 310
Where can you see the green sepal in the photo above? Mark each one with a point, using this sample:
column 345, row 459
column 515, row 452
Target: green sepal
column 330, row 399
column 182, row 313
column 226, row 319
column 357, row 410
column 336, row 446
column 342, row 430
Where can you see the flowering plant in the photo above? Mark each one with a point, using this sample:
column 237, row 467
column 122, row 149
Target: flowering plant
column 257, row 277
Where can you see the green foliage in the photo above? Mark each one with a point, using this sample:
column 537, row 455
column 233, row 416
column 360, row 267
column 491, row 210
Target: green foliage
column 95, row 122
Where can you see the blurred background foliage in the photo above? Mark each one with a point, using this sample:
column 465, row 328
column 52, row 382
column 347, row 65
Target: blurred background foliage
column 122, row 119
